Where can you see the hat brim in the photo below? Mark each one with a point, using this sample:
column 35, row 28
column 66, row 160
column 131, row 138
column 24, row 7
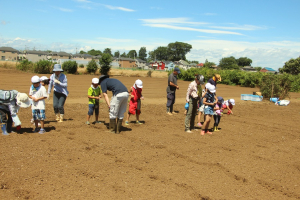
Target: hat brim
column 212, row 91
column 139, row 86
column 24, row 104
column 57, row 70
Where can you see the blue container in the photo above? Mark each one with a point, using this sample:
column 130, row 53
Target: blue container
column 274, row 99
column 257, row 98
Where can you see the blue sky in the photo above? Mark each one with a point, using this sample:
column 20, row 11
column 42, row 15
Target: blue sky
column 266, row 31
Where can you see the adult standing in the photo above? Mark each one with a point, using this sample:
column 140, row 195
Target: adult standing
column 214, row 79
column 60, row 83
column 118, row 103
column 192, row 97
column 171, row 90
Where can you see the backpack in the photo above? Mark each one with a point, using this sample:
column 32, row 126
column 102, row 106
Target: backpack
column 7, row 95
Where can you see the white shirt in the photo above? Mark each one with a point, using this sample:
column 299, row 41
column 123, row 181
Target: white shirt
column 42, row 92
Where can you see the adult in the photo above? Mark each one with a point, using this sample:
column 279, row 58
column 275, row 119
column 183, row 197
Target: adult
column 192, row 97
column 118, row 103
column 171, row 90
column 60, row 83
column 214, row 79
column 9, row 108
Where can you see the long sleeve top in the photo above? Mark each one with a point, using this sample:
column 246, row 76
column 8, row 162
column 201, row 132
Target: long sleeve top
column 62, row 87
column 13, row 108
column 192, row 91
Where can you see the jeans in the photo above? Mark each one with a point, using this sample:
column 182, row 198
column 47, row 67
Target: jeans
column 191, row 113
column 59, row 100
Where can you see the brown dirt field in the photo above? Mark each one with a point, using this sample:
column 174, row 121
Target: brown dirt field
column 255, row 155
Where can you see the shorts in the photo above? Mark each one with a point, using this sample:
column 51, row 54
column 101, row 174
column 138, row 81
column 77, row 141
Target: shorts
column 201, row 109
column 93, row 107
column 38, row 114
column 208, row 110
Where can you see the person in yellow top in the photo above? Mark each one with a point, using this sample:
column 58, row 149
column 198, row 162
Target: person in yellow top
column 94, row 95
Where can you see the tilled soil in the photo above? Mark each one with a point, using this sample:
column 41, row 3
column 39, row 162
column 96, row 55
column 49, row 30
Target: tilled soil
column 255, row 155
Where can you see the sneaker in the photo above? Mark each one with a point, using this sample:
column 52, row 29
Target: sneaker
column 87, row 122
column 174, row 113
column 42, row 131
column 188, row 131
column 97, row 122
column 199, row 124
column 36, row 130
column 208, row 132
column 169, row 113
column 138, row 122
column 126, row 123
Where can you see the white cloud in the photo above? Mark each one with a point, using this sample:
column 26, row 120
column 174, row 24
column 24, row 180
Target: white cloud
column 83, row 1
column 238, row 27
column 119, row 8
column 169, row 21
column 4, row 22
column 63, row 9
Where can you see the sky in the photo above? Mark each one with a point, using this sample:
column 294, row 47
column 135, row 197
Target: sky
column 266, row 31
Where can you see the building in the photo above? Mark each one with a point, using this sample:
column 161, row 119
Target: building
column 157, row 65
column 33, row 55
column 169, row 65
column 126, row 62
column 248, row 69
column 59, row 55
column 268, row 70
column 8, row 54
column 140, row 63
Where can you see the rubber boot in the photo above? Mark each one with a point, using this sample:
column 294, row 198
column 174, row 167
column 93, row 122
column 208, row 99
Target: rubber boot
column 57, row 116
column 119, row 126
column 112, row 126
column 61, row 119
column 3, row 128
column 217, row 128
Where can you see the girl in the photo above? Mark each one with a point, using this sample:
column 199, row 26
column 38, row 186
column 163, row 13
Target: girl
column 209, row 101
column 218, row 112
column 229, row 105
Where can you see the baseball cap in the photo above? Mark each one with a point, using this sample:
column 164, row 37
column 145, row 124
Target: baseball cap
column 232, row 101
column 139, row 83
column 210, row 87
column 23, row 100
column 220, row 99
column 176, row 69
column 35, row 79
column 43, row 78
column 95, row 80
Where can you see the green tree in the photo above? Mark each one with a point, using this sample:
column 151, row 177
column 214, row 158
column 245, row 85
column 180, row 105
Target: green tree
column 291, row 67
column 258, row 68
column 208, row 64
column 178, row 50
column 117, row 54
column 228, row 63
column 105, row 61
column 194, row 61
column 132, row 54
column 161, row 53
column 151, row 56
column 108, row 51
column 92, row 66
column 94, row 52
column 124, row 55
column 143, row 53
column 244, row 61
column 82, row 52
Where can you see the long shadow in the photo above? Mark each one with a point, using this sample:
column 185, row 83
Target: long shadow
column 123, row 128
column 30, row 130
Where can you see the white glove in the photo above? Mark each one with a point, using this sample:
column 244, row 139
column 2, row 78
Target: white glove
column 56, row 81
column 48, row 97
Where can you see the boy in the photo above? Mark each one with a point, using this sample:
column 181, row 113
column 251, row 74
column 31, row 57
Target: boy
column 38, row 93
column 94, row 95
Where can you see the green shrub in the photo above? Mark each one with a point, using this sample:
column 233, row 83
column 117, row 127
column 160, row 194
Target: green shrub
column 92, row 67
column 43, row 67
column 275, row 86
column 70, row 67
column 25, row 65
column 149, row 73
column 104, row 62
column 81, row 66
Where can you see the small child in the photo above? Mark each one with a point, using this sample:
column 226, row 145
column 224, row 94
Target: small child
column 209, row 101
column 229, row 105
column 38, row 93
column 201, row 107
column 94, row 95
column 135, row 101
column 218, row 109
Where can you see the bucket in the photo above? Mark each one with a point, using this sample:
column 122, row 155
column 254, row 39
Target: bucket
column 274, row 99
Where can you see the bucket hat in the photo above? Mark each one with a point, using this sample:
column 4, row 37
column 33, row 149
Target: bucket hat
column 23, row 100
column 218, row 77
column 57, row 68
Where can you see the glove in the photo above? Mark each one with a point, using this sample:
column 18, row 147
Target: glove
column 186, row 106
column 48, row 97
column 18, row 127
column 56, row 81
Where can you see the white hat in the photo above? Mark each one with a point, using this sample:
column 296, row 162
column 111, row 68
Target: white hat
column 210, row 87
column 95, row 80
column 139, row 83
column 232, row 101
column 44, row 78
column 35, row 79
column 23, row 100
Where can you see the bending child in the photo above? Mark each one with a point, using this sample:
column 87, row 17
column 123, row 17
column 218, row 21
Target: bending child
column 229, row 105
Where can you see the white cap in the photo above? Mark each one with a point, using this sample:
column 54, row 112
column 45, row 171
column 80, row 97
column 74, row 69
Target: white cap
column 232, row 101
column 210, row 87
column 23, row 100
column 139, row 83
column 35, row 79
column 95, row 80
column 43, row 78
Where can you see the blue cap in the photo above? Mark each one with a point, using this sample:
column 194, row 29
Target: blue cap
column 176, row 69
column 220, row 99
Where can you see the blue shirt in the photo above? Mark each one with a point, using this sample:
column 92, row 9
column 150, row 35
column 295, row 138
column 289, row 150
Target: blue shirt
column 113, row 85
column 62, row 87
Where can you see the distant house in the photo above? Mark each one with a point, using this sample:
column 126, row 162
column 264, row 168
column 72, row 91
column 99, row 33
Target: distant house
column 59, row 55
column 215, row 67
column 140, row 63
column 78, row 56
column 126, row 62
column 8, row 53
column 169, row 65
column 200, row 65
column 248, row 69
column 158, row 65
column 34, row 55
column 268, row 70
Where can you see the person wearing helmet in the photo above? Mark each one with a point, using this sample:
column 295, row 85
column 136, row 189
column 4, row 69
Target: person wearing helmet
column 135, row 101
column 94, row 95
column 38, row 94
column 192, row 98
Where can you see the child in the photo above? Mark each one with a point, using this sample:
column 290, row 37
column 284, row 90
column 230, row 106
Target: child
column 229, row 105
column 201, row 107
column 135, row 101
column 38, row 93
column 209, row 101
column 94, row 95
column 218, row 109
